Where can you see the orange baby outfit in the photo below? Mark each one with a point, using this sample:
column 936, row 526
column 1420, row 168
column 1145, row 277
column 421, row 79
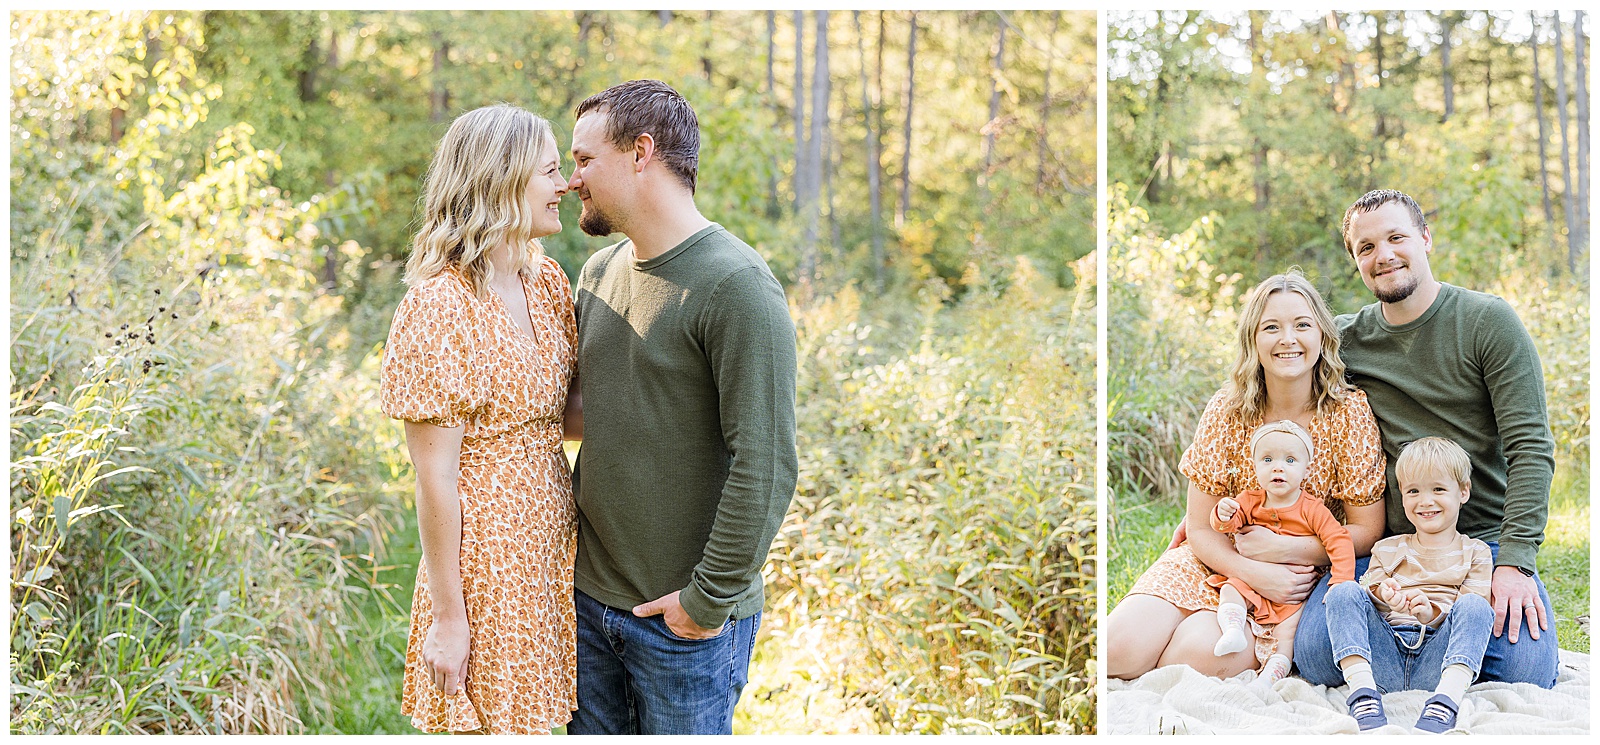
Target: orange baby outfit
column 1307, row 516
column 453, row 359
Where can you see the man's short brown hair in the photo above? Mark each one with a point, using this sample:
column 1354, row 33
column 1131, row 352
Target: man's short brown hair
column 651, row 107
column 1373, row 200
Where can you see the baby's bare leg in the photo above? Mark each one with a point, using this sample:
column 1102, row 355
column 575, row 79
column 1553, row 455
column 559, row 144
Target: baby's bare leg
column 1285, row 633
column 1231, row 596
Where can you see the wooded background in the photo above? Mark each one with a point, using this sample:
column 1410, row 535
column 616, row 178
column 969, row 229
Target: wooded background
column 211, row 522
column 1274, row 122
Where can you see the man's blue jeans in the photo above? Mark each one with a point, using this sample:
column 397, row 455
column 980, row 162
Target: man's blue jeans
column 1528, row 661
column 1400, row 660
column 635, row 677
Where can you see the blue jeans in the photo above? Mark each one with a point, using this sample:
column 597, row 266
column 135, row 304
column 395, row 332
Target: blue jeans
column 1400, row 661
column 635, row 677
column 1528, row 661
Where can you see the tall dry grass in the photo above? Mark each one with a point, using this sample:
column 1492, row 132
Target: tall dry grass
column 940, row 551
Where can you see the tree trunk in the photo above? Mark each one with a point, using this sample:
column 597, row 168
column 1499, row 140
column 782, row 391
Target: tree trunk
column 814, row 160
column 874, row 168
column 773, row 210
column 772, row 49
column 1044, row 105
column 705, row 49
column 877, row 81
column 801, row 170
column 911, row 96
column 1347, row 70
column 311, row 63
column 1566, row 151
column 1538, row 107
column 1579, row 41
column 1380, row 129
column 439, row 107
column 1446, row 25
column 1488, row 67
column 1258, row 77
column 989, row 126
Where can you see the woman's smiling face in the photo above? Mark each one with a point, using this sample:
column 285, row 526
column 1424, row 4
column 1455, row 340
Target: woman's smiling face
column 1288, row 339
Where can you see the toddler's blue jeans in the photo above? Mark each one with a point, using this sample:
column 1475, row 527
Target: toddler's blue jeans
column 1407, row 658
column 1527, row 661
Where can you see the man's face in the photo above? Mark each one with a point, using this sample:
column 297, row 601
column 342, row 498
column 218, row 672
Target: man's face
column 600, row 175
column 1391, row 251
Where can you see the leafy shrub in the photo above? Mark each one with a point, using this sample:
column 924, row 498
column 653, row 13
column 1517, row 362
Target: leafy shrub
column 195, row 506
column 942, row 534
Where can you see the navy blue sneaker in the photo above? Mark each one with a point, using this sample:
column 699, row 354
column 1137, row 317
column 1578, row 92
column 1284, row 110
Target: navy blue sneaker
column 1438, row 715
column 1366, row 705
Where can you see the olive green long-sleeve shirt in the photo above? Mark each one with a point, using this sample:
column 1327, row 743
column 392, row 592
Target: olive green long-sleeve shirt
column 687, row 367
column 1466, row 370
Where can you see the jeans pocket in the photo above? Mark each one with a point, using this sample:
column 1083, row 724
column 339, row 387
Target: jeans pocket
column 666, row 629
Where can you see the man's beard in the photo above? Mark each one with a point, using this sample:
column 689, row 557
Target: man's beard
column 595, row 223
column 1399, row 292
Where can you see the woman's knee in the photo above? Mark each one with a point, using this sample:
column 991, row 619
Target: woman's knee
column 1194, row 644
column 1136, row 632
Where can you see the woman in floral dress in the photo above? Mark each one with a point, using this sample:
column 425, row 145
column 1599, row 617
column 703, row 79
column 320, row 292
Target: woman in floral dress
column 479, row 363
column 1287, row 367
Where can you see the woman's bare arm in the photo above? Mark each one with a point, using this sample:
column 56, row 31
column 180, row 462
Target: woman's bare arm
column 436, row 453
column 572, row 420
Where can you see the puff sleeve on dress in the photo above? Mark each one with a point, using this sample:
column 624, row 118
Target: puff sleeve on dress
column 428, row 359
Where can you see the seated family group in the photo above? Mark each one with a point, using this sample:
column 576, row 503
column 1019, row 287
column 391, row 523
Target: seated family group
column 1421, row 418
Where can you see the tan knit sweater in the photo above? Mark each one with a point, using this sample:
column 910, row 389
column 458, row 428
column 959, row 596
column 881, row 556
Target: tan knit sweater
column 1465, row 566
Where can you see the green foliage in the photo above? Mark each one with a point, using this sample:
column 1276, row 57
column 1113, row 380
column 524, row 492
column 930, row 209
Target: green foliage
column 196, row 504
column 1169, row 339
column 941, row 544
column 1277, row 136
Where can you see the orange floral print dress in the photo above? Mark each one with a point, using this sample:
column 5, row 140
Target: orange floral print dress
column 1347, row 470
column 453, row 360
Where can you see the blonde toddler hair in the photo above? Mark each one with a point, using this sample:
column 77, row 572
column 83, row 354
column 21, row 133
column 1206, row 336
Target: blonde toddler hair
column 1434, row 455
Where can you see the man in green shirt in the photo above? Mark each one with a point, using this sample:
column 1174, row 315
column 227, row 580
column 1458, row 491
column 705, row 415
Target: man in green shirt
column 686, row 353
column 1439, row 360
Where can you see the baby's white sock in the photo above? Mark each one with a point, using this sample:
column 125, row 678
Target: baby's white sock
column 1453, row 682
column 1230, row 618
column 1359, row 675
column 1276, row 668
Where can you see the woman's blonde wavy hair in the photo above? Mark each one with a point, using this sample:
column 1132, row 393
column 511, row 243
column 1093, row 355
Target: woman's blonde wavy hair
column 472, row 197
column 1246, row 390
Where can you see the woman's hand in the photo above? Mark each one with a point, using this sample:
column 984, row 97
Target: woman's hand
column 445, row 652
column 1282, row 583
column 1260, row 543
